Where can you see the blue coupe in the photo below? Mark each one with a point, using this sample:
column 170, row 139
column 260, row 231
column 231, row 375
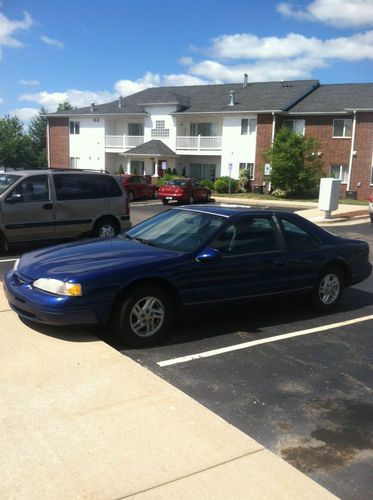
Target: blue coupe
column 182, row 257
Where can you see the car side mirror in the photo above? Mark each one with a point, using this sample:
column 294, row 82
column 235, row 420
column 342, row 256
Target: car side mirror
column 208, row 254
column 14, row 198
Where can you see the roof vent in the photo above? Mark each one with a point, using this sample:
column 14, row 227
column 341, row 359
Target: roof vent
column 231, row 98
column 92, row 107
column 120, row 102
column 245, row 80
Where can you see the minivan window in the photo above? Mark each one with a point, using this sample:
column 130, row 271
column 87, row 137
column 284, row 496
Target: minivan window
column 7, row 180
column 82, row 186
column 33, row 188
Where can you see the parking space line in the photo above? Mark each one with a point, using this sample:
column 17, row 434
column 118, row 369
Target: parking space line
column 245, row 345
column 8, row 260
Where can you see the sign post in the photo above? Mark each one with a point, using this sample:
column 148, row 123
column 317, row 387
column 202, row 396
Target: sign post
column 230, row 166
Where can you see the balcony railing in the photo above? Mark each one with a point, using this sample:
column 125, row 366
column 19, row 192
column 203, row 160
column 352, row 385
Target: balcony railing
column 198, row 143
column 122, row 142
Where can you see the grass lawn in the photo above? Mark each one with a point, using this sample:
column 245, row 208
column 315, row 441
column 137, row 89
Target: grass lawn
column 344, row 201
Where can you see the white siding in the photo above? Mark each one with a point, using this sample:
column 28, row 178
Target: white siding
column 89, row 144
column 236, row 148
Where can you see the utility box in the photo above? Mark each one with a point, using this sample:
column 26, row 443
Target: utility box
column 329, row 195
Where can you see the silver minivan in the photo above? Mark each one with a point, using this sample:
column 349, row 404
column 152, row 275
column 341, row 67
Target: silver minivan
column 52, row 204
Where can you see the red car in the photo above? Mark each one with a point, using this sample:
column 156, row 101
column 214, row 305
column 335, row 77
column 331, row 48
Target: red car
column 185, row 190
column 137, row 186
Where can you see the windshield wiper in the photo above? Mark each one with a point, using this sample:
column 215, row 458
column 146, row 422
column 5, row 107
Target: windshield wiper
column 145, row 242
column 124, row 236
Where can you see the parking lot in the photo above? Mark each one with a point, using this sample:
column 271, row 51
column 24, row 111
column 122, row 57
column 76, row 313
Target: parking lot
column 296, row 381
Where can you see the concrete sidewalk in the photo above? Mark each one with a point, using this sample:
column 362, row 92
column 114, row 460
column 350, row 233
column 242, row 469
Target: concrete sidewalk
column 80, row 420
column 343, row 215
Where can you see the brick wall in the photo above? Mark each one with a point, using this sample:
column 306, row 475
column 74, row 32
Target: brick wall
column 59, row 142
column 362, row 161
column 263, row 142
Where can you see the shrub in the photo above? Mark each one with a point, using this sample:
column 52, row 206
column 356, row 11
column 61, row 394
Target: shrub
column 162, row 180
column 245, row 179
column 222, row 185
column 120, row 170
column 207, row 183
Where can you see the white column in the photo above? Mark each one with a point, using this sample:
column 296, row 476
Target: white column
column 351, row 152
column 128, row 171
column 155, row 168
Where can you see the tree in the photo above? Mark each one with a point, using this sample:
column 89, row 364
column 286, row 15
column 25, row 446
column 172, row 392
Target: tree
column 38, row 134
column 16, row 148
column 296, row 166
column 64, row 106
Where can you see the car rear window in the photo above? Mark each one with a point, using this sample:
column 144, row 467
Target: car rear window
column 83, row 187
column 177, row 182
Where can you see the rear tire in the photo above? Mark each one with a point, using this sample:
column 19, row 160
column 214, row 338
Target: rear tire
column 208, row 196
column 329, row 289
column 191, row 199
column 144, row 317
column 105, row 228
column 165, row 202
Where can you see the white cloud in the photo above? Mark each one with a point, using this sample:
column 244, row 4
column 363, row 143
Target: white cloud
column 1, row 100
column 182, row 79
column 127, row 87
column 339, row 13
column 24, row 114
column 9, row 28
column 29, row 83
column 186, row 61
column 52, row 42
column 78, row 98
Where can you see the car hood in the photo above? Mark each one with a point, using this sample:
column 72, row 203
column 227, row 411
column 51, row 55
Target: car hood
column 77, row 260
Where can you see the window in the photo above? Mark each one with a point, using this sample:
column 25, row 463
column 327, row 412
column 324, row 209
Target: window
column 248, row 236
column 85, row 186
column 203, row 129
column 34, row 188
column 74, row 127
column 248, row 126
column 339, row 172
column 137, row 167
column 296, row 126
column 160, row 130
column 202, row 171
column 371, row 174
column 74, row 162
column 249, row 167
column 342, row 128
column 297, row 238
column 136, row 129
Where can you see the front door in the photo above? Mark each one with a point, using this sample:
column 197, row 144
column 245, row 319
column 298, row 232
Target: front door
column 161, row 172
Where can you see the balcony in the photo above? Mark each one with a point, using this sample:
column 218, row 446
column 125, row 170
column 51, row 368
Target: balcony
column 117, row 143
column 198, row 143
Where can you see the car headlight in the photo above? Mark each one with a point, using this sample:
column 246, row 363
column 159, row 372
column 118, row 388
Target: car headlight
column 58, row 287
column 15, row 267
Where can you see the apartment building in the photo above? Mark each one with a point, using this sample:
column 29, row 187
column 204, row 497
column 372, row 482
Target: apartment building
column 207, row 131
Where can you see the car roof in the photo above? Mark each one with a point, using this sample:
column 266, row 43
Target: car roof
column 40, row 171
column 227, row 210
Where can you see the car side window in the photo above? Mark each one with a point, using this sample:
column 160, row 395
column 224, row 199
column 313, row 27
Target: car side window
column 34, row 188
column 248, row 236
column 297, row 238
column 83, row 187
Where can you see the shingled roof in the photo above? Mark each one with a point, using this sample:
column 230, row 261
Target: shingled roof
column 254, row 97
column 337, row 98
column 154, row 147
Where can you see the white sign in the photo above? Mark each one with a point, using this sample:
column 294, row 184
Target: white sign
column 230, row 166
column 267, row 169
column 164, row 165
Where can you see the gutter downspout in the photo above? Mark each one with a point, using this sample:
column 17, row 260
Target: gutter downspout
column 352, row 151
column 48, row 146
column 273, row 127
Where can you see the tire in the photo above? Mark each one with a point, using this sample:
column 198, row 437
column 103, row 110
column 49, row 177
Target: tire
column 191, row 199
column 105, row 228
column 131, row 196
column 329, row 289
column 371, row 218
column 208, row 196
column 154, row 195
column 144, row 317
column 3, row 245
column 165, row 202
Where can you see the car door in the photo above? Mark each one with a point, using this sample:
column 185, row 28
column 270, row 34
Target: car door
column 250, row 264
column 28, row 211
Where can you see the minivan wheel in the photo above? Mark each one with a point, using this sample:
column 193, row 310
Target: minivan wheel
column 105, row 228
column 144, row 317
column 329, row 289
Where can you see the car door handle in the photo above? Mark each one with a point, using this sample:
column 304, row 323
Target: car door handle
column 48, row 206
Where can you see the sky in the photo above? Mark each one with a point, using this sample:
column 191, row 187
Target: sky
column 87, row 51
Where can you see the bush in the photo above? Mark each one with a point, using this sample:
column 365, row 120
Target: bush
column 222, row 185
column 120, row 170
column 207, row 183
column 162, row 180
column 245, row 180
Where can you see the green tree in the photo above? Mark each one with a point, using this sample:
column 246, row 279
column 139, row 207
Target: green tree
column 296, row 166
column 16, row 148
column 64, row 106
column 38, row 134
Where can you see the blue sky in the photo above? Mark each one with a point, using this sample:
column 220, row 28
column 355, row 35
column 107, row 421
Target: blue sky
column 88, row 51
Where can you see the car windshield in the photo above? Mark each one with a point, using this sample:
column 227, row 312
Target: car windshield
column 177, row 182
column 7, row 180
column 180, row 230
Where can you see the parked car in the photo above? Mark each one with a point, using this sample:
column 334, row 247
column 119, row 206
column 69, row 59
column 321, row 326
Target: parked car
column 184, row 190
column 370, row 207
column 183, row 257
column 50, row 204
column 137, row 186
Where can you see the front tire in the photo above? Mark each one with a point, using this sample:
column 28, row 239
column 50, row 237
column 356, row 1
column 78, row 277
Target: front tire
column 329, row 289
column 165, row 202
column 105, row 228
column 144, row 317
